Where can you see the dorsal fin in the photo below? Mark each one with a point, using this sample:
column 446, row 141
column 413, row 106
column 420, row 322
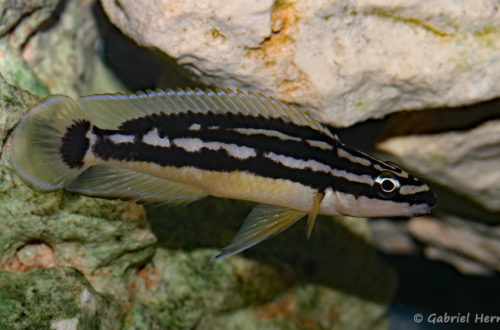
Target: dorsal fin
column 109, row 111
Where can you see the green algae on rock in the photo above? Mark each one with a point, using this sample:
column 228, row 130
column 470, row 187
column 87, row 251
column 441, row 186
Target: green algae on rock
column 54, row 298
column 333, row 280
column 288, row 282
column 103, row 239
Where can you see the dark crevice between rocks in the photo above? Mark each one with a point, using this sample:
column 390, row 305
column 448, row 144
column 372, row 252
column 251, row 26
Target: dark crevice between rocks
column 139, row 68
column 419, row 122
column 45, row 25
column 55, row 16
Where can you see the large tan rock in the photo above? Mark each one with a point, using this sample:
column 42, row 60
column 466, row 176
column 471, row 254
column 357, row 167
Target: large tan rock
column 351, row 60
column 465, row 161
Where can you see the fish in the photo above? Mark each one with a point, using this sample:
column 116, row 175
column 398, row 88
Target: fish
column 178, row 146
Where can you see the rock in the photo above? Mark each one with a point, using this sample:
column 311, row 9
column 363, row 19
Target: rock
column 239, row 292
column 348, row 60
column 73, row 59
column 103, row 239
column 334, row 279
column 13, row 11
column 93, row 263
column 177, row 285
column 392, row 237
column 55, row 298
column 31, row 29
column 464, row 161
column 463, row 265
column 20, row 20
column 472, row 248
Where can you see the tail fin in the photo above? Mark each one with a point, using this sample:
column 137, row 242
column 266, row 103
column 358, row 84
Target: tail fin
column 49, row 144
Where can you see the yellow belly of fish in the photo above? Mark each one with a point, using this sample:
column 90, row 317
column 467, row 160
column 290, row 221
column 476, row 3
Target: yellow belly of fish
column 235, row 184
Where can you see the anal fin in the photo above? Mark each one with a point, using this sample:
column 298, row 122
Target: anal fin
column 263, row 222
column 117, row 182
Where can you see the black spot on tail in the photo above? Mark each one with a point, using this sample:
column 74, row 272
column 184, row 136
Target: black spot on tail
column 75, row 144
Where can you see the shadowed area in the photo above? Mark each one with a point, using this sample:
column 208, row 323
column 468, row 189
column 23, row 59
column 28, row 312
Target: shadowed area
column 334, row 256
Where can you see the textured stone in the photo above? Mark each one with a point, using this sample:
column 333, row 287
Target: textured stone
column 55, row 298
column 465, row 161
column 351, row 60
column 13, row 11
column 72, row 61
column 332, row 280
column 96, row 264
column 103, row 239
column 463, row 264
column 392, row 237
column 29, row 29
column 472, row 248
column 110, row 243
column 20, row 20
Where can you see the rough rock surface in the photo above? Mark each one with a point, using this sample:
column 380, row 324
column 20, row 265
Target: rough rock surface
column 72, row 61
column 69, row 262
column 465, row 161
column 472, row 248
column 29, row 30
column 20, row 20
column 392, row 237
column 351, row 60
column 54, row 298
column 323, row 283
column 105, row 240
column 175, row 286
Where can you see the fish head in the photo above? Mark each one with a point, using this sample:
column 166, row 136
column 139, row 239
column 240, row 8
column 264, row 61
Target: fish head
column 374, row 188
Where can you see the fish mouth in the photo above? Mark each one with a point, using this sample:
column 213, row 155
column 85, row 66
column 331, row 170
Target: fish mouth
column 420, row 209
column 432, row 200
column 425, row 207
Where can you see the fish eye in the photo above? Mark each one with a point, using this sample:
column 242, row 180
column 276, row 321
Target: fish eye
column 387, row 185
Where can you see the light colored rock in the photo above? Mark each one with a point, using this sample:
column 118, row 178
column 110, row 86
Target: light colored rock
column 462, row 264
column 34, row 56
column 392, row 237
column 467, row 162
column 20, row 20
column 72, row 60
column 351, row 60
column 472, row 248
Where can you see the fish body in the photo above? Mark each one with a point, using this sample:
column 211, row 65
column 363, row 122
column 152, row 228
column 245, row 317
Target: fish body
column 179, row 146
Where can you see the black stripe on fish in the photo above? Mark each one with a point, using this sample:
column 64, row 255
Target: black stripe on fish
column 74, row 144
column 219, row 160
column 178, row 125
column 175, row 125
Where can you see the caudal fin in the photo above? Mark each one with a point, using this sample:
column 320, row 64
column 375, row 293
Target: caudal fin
column 49, row 144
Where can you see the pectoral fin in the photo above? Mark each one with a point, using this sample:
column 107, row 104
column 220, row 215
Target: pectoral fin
column 122, row 183
column 311, row 219
column 263, row 222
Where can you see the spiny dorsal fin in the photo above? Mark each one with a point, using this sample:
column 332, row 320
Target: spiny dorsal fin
column 109, row 111
column 118, row 182
column 263, row 222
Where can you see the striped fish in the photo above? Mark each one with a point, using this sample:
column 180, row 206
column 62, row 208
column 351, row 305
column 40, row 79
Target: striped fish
column 179, row 146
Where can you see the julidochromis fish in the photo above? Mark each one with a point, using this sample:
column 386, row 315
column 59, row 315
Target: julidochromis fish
column 179, row 146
